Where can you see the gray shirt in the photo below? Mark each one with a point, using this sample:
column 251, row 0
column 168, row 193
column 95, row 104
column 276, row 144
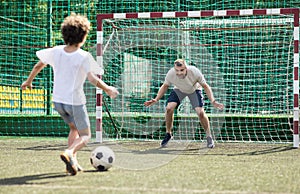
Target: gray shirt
column 190, row 83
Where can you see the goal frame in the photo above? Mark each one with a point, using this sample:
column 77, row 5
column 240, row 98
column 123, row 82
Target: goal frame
column 198, row 14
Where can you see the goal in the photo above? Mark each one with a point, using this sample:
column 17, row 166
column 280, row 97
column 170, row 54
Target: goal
column 250, row 58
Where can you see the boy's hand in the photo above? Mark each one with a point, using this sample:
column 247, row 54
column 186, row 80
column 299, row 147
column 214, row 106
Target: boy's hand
column 112, row 92
column 25, row 85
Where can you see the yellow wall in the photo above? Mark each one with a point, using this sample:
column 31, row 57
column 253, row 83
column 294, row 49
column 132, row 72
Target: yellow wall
column 10, row 98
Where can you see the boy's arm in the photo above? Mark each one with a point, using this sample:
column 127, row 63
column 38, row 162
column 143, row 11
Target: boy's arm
column 35, row 70
column 109, row 90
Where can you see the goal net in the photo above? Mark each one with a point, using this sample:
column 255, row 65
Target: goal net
column 249, row 58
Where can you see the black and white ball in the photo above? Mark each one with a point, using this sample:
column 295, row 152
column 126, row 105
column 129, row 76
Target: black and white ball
column 102, row 158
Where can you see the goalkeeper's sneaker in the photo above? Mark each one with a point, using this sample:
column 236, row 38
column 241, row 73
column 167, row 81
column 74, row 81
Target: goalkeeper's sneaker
column 166, row 140
column 210, row 142
column 68, row 159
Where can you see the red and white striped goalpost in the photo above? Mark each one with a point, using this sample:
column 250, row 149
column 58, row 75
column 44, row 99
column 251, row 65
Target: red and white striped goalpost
column 199, row 14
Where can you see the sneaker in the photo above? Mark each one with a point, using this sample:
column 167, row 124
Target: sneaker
column 69, row 161
column 79, row 168
column 210, row 142
column 166, row 140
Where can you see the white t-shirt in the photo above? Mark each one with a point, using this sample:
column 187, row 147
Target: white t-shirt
column 190, row 83
column 70, row 72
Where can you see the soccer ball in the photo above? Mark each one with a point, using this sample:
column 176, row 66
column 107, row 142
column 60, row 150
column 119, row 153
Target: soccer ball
column 102, row 158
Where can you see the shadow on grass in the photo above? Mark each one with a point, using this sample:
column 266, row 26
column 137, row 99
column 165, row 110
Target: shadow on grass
column 264, row 151
column 45, row 147
column 96, row 171
column 237, row 151
column 25, row 180
column 172, row 151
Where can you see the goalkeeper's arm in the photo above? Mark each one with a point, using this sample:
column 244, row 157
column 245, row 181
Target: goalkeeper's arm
column 211, row 97
column 162, row 90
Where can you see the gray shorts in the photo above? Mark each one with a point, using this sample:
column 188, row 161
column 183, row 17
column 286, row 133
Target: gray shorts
column 76, row 114
column 196, row 98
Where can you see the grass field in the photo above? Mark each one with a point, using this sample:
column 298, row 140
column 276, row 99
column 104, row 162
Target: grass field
column 32, row 165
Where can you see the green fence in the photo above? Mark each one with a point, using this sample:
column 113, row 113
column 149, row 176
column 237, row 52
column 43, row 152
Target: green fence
column 29, row 26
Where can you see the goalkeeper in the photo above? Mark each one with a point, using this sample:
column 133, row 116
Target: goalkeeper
column 72, row 66
column 188, row 82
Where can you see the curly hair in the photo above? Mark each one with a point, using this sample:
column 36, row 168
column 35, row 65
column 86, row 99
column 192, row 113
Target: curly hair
column 74, row 28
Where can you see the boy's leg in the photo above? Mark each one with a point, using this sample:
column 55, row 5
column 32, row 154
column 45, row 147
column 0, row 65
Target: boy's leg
column 79, row 134
column 73, row 134
column 78, row 143
column 82, row 126
column 81, row 141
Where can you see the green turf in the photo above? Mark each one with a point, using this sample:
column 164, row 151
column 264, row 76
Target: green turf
column 32, row 165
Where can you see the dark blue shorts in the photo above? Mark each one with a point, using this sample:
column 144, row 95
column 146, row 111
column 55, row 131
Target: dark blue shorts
column 196, row 98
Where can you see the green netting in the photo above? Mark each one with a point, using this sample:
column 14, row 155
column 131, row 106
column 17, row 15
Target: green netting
column 248, row 62
column 254, row 64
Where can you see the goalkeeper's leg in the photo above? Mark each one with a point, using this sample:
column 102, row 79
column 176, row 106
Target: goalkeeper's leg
column 169, row 117
column 206, row 126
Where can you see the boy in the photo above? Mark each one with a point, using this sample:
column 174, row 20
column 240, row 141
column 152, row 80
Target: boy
column 71, row 66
